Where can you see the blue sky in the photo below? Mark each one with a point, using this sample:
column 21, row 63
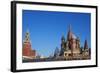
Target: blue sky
column 47, row 27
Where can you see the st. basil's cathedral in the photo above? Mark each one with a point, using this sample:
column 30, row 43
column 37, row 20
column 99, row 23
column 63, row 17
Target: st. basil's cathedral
column 70, row 49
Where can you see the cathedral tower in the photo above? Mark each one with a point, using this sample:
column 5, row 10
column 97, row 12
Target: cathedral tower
column 72, row 42
column 63, row 45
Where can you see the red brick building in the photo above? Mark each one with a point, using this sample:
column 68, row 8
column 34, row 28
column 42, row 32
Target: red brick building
column 28, row 52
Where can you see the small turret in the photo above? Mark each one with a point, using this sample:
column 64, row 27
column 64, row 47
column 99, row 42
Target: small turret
column 77, row 42
column 63, row 39
column 63, row 42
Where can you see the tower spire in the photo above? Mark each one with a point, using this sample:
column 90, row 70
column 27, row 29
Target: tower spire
column 69, row 35
column 85, row 45
column 27, row 36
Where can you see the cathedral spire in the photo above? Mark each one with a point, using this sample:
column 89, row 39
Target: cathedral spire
column 69, row 35
column 85, row 45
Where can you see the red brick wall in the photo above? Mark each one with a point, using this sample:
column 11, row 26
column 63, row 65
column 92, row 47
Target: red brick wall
column 27, row 51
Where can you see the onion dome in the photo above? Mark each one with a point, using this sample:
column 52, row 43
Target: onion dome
column 73, row 36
